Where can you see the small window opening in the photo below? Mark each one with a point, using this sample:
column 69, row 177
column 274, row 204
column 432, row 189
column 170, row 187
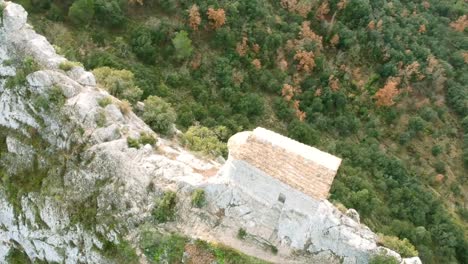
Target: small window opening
column 281, row 198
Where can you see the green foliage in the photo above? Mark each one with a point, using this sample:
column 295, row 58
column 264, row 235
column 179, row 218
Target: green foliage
column 81, row 12
column 241, row 234
column 144, row 139
column 383, row 259
column 16, row 256
column 402, row 246
column 101, row 118
column 205, row 140
column 121, row 253
column 439, row 166
column 53, row 98
column 436, row 150
column 147, row 139
column 119, row 83
column 387, row 183
column 165, row 208
column 182, row 45
column 159, row 115
column 68, row 65
column 105, row 101
column 198, row 198
column 303, row 132
column 26, row 67
column 133, row 142
column 109, row 12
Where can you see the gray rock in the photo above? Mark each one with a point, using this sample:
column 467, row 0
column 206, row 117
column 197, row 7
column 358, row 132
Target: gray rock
column 14, row 17
column 353, row 214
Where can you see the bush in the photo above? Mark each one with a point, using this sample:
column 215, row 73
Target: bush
column 133, row 142
column 27, row 66
column 182, row 45
column 165, row 208
column 303, row 132
column 101, row 118
column 81, row 12
column 383, row 259
column 125, row 106
column 198, row 198
column 205, row 140
column 403, row 247
column 436, row 150
column 146, row 139
column 159, row 115
column 119, row 83
column 439, row 166
column 109, row 12
column 103, row 102
column 241, row 234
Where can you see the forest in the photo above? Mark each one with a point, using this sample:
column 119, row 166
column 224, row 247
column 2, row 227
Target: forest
column 383, row 84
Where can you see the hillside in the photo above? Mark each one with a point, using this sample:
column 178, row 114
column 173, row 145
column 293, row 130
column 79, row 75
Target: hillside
column 381, row 84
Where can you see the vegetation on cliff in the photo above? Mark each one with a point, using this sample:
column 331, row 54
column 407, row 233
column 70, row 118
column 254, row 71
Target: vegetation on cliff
column 381, row 84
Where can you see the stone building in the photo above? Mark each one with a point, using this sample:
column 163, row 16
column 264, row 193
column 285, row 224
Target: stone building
column 301, row 167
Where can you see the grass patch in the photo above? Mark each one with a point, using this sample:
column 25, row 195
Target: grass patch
column 16, row 256
column 53, row 97
column 144, row 139
column 383, row 259
column 101, row 119
column 198, row 198
column 170, row 248
column 103, row 102
column 26, row 67
column 165, row 210
column 133, row 142
column 68, row 65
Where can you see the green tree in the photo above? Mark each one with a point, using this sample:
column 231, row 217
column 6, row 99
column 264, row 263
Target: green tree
column 205, row 140
column 119, row 83
column 182, row 45
column 159, row 115
column 81, row 12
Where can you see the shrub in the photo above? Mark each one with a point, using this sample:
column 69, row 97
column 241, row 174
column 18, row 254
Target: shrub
column 27, row 66
column 125, row 107
column 68, row 65
column 165, row 207
column 133, row 142
column 109, row 12
column 56, row 96
column 241, row 234
column 146, row 138
column 101, row 119
column 402, row 246
column 303, row 132
column 198, row 198
column 439, row 166
column 119, row 83
column 103, row 102
column 204, row 140
column 159, row 115
column 383, row 259
column 81, row 12
column 436, row 150
column 182, row 45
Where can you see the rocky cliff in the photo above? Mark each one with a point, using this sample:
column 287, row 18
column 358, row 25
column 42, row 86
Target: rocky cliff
column 70, row 184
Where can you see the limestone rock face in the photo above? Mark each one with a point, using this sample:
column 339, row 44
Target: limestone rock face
column 74, row 156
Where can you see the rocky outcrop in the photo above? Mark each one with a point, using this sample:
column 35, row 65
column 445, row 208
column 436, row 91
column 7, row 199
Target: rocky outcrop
column 82, row 186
